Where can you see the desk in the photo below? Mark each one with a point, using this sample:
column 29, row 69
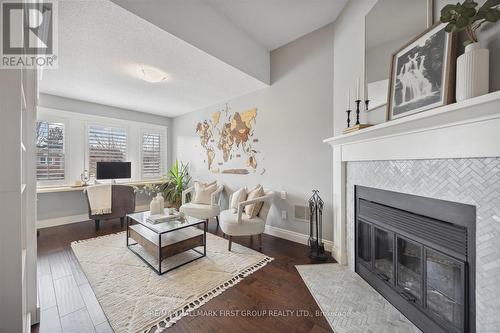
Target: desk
column 68, row 188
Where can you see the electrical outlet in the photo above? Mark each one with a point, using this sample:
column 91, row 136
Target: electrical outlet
column 283, row 195
column 283, row 215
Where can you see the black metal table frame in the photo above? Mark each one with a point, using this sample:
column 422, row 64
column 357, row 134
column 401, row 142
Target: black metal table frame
column 160, row 234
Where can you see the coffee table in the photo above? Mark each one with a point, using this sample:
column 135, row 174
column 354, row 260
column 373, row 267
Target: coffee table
column 167, row 239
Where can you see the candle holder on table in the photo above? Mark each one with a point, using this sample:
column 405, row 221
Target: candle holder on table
column 348, row 118
column 357, row 126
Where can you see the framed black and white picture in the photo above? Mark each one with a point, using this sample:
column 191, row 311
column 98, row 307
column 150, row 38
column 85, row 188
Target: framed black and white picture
column 422, row 73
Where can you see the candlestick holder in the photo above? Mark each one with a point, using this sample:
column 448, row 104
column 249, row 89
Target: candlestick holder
column 348, row 118
column 367, row 101
column 358, row 102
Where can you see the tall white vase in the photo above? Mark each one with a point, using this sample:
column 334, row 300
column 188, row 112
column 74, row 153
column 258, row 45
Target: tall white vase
column 472, row 72
column 154, row 207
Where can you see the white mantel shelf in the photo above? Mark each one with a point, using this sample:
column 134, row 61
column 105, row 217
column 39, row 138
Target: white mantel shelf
column 468, row 129
column 465, row 129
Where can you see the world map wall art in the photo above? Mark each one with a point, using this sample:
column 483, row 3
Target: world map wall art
column 228, row 142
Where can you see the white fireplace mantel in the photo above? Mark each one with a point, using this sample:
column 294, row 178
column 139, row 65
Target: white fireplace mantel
column 468, row 129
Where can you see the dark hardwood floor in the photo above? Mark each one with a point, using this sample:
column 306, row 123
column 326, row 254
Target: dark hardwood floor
column 276, row 291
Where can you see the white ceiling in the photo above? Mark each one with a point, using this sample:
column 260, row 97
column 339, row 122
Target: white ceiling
column 101, row 47
column 274, row 23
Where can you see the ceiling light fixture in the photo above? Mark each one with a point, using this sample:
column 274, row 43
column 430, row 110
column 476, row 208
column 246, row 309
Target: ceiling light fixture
column 152, row 74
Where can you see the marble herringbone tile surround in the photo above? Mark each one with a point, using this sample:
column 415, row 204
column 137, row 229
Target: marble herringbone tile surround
column 472, row 181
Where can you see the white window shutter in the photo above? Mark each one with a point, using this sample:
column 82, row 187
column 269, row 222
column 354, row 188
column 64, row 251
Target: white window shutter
column 106, row 144
column 151, row 155
column 50, row 162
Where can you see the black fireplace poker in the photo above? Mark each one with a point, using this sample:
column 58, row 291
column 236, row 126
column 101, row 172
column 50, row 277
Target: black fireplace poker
column 316, row 246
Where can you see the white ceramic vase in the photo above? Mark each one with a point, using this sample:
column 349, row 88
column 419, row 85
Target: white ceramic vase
column 154, row 206
column 472, row 72
column 161, row 201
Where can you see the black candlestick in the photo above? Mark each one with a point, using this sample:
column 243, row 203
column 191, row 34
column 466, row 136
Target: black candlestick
column 348, row 118
column 358, row 101
column 367, row 101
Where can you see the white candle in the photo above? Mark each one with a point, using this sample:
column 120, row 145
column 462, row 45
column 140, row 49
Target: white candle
column 357, row 89
column 348, row 99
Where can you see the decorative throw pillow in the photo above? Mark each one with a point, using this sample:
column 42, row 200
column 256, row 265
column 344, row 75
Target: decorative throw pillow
column 254, row 209
column 238, row 196
column 203, row 192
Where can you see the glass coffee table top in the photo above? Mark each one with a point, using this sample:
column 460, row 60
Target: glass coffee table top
column 163, row 227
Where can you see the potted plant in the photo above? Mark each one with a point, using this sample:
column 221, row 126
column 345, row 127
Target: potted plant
column 176, row 181
column 472, row 77
column 149, row 189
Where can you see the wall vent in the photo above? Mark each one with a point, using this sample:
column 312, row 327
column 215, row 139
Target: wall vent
column 301, row 213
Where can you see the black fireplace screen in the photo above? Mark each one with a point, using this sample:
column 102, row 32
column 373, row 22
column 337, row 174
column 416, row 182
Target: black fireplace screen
column 423, row 264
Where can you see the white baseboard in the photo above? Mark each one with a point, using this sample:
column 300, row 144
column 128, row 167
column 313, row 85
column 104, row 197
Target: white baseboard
column 293, row 236
column 335, row 253
column 53, row 222
column 270, row 230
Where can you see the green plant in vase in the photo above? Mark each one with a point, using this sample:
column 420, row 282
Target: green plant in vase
column 176, row 181
column 465, row 17
column 149, row 189
column 472, row 75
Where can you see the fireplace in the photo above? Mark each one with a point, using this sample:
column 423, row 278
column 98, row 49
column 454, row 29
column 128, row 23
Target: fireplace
column 419, row 253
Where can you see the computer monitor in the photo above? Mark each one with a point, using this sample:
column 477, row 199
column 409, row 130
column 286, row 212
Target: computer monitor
column 113, row 170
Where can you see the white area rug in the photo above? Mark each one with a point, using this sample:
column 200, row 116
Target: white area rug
column 349, row 303
column 136, row 299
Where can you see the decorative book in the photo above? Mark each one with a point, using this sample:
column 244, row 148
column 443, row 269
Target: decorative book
column 355, row 128
column 160, row 218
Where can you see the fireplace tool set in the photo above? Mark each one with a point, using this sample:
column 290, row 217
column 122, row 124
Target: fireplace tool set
column 316, row 246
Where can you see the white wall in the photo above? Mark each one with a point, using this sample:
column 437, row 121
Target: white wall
column 12, row 309
column 55, row 208
column 294, row 115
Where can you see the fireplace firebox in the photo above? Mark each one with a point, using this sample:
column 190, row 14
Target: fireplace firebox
column 419, row 253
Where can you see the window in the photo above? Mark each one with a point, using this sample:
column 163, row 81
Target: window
column 151, row 155
column 106, row 144
column 50, row 163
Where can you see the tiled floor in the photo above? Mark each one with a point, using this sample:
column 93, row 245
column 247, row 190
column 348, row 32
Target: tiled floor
column 67, row 301
column 350, row 303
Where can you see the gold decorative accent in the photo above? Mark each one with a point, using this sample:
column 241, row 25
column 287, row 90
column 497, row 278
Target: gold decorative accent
column 355, row 128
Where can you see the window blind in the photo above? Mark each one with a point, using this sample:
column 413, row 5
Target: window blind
column 151, row 155
column 50, row 151
column 106, row 144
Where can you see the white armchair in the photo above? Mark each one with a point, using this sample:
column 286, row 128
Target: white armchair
column 238, row 224
column 202, row 211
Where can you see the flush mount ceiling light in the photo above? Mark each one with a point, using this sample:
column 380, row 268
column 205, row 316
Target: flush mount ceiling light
column 152, row 74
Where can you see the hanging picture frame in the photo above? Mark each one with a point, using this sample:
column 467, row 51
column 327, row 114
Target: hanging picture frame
column 422, row 74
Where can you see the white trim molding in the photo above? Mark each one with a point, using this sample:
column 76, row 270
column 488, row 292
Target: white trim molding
column 56, row 221
column 468, row 129
column 294, row 236
column 269, row 230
